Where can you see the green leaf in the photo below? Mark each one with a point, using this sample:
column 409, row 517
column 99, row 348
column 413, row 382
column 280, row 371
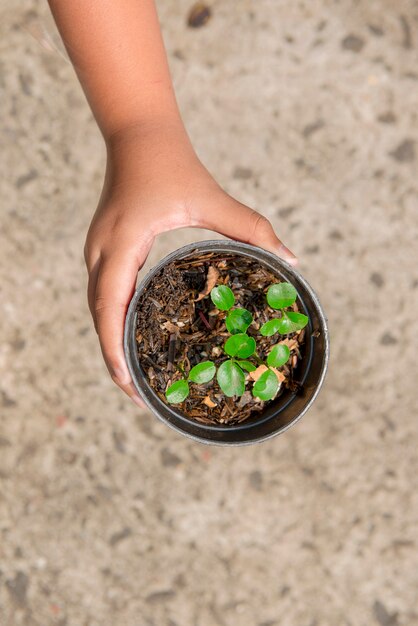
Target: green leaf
column 278, row 355
column 231, row 379
column 202, row 372
column 238, row 321
column 177, row 392
column 266, row 386
column 222, row 297
column 281, row 295
column 269, row 328
column 246, row 365
column 291, row 322
column 240, row 345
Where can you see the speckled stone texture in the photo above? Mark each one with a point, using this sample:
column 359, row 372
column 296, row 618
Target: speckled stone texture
column 306, row 110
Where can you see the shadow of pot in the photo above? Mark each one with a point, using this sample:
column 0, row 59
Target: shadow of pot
column 283, row 412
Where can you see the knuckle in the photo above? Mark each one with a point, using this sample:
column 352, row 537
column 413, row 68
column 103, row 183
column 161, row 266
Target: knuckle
column 112, row 362
column 259, row 224
column 118, row 377
column 116, row 380
column 102, row 304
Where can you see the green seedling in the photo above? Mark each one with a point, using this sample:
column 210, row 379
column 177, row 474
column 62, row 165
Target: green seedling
column 240, row 348
column 222, row 297
column 280, row 296
column 278, row 355
column 201, row 373
column 266, row 386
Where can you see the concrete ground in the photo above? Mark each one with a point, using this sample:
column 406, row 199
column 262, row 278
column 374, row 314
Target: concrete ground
column 308, row 111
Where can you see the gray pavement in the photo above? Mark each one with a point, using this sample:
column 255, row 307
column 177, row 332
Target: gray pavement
column 308, row 111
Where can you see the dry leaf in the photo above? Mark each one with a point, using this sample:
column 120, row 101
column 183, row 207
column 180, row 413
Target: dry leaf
column 206, row 400
column 211, row 279
column 172, row 328
column 255, row 375
column 279, row 375
column 290, row 343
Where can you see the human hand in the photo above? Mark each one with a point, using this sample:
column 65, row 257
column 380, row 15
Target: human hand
column 154, row 183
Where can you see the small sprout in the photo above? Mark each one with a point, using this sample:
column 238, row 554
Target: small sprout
column 202, row 372
column 238, row 321
column 231, row 379
column 281, row 295
column 222, row 297
column 246, row 365
column 240, row 345
column 278, row 355
column 270, row 328
column 177, row 392
column 291, row 322
column 266, row 386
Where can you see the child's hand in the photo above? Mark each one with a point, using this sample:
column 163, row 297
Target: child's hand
column 154, row 180
column 154, row 183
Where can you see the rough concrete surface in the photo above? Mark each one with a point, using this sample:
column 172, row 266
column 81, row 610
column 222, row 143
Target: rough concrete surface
column 306, row 110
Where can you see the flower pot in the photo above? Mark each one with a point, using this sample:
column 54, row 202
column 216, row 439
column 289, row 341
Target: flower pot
column 281, row 413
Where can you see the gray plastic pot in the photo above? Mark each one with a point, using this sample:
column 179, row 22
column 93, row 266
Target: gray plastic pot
column 280, row 414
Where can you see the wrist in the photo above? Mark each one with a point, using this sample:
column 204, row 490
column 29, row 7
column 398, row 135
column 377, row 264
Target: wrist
column 146, row 140
column 144, row 128
column 157, row 149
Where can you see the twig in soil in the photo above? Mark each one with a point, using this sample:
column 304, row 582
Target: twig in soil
column 204, row 320
column 153, row 363
column 171, row 352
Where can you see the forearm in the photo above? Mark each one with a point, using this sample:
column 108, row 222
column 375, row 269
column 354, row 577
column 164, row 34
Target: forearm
column 118, row 53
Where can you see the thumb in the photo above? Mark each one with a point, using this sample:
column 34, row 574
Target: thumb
column 238, row 221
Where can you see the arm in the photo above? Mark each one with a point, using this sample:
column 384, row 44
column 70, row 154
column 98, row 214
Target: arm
column 118, row 54
column 154, row 181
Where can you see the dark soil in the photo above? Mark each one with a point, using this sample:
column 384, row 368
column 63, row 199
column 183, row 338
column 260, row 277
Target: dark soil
column 178, row 328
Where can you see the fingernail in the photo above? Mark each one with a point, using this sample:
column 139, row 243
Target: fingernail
column 137, row 401
column 287, row 255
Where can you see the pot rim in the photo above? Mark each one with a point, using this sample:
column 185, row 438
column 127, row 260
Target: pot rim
column 230, row 246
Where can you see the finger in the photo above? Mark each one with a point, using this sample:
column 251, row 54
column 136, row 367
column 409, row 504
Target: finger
column 92, row 259
column 130, row 391
column 91, row 288
column 114, row 288
column 94, row 269
column 238, row 221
